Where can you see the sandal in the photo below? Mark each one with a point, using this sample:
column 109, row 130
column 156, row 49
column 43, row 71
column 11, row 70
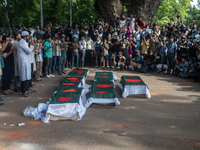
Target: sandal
column 6, row 92
column 32, row 90
column 25, row 94
column 10, row 91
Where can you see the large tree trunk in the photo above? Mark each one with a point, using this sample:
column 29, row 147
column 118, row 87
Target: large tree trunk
column 145, row 8
column 111, row 9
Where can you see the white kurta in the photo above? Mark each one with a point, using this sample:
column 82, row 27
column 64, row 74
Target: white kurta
column 24, row 63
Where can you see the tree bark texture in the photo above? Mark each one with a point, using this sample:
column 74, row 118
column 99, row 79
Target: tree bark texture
column 111, row 9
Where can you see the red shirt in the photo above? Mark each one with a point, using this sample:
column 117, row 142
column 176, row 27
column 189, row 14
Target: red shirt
column 141, row 24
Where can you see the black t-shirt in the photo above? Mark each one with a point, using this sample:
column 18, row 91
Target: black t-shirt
column 9, row 61
column 151, row 58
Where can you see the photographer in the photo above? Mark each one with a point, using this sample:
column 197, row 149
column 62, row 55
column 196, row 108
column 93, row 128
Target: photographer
column 104, row 55
column 56, row 43
column 145, row 43
column 75, row 52
column 135, row 46
column 146, row 31
column 137, row 61
column 98, row 32
column 181, row 69
column 163, row 32
column 8, row 70
column 171, row 49
column 163, row 43
column 82, row 51
column 124, row 45
column 182, row 49
column 138, row 34
column 110, row 51
column 154, row 44
column 75, row 33
column 97, row 51
column 162, row 63
column 189, row 73
column 193, row 29
column 151, row 60
column 140, row 22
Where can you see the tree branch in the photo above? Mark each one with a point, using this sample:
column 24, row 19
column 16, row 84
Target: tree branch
column 7, row 7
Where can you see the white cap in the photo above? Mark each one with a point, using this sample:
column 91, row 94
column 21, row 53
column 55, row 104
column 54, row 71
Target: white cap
column 24, row 33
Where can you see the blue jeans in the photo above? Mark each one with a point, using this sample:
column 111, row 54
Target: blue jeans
column 89, row 57
column 82, row 57
column 170, row 58
column 110, row 58
column 153, row 66
column 77, row 58
column 127, row 60
column 56, row 63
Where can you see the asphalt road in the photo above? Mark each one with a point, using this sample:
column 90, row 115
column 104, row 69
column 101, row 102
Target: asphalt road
column 169, row 120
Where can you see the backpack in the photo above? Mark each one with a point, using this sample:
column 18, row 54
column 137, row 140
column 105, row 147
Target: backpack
column 145, row 68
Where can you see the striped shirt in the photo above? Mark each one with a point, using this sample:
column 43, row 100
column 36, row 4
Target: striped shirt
column 56, row 49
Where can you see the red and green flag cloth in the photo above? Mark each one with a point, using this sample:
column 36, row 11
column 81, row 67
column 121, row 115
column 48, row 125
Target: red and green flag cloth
column 68, row 85
column 65, row 98
column 104, row 76
column 102, row 92
column 133, row 85
column 103, row 89
column 73, row 80
column 68, row 91
column 131, row 80
column 78, row 73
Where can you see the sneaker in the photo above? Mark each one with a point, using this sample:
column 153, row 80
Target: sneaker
column 52, row 75
column 59, row 73
column 48, row 76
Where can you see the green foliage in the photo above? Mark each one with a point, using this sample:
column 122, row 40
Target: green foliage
column 27, row 12
column 193, row 13
column 171, row 9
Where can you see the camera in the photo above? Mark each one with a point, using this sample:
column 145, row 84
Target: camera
column 178, row 17
column 133, row 59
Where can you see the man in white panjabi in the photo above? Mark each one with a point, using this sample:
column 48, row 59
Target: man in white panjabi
column 24, row 63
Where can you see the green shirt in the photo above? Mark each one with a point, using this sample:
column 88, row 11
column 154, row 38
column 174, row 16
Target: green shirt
column 64, row 52
column 48, row 53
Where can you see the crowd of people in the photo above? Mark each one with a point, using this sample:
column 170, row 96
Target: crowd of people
column 128, row 43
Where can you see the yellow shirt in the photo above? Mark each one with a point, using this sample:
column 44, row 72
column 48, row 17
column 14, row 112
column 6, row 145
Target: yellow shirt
column 144, row 47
